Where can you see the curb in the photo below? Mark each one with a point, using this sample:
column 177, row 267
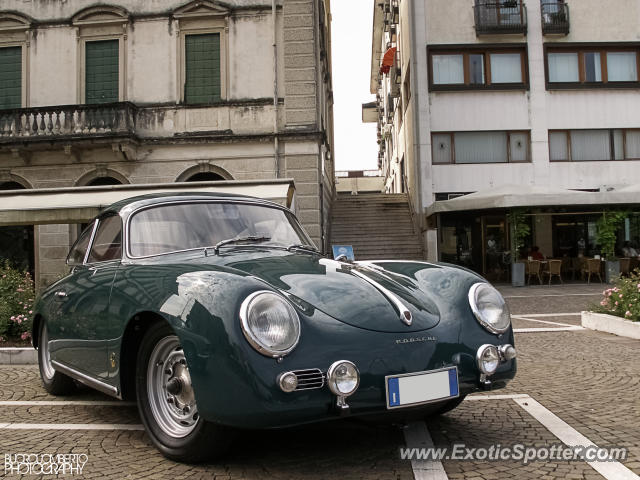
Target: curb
column 18, row 356
column 611, row 324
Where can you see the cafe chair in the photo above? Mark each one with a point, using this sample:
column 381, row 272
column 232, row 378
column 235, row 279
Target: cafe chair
column 534, row 270
column 625, row 264
column 555, row 269
column 592, row 267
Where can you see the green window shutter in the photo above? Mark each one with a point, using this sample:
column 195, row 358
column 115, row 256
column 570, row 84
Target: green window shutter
column 102, row 77
column 11, row 77
column 202, row 67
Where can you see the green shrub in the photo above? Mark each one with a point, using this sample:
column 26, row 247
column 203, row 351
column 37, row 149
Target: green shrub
column 623, row 299
column 16, row 303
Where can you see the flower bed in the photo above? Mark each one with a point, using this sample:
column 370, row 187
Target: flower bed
column 16, row 305
column 623, row 299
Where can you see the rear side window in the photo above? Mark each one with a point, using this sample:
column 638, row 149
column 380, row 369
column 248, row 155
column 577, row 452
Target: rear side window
column 78, row 251
column 107, row 244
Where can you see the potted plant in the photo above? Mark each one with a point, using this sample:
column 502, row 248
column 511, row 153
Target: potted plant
column 520, row 230
column 606, row 230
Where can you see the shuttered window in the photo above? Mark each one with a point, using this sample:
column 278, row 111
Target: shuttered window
column 202, row 68
column 101, row 71
column 10, row 77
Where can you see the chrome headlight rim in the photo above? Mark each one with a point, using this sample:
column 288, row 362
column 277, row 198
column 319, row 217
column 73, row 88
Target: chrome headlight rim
column 480, row 353
column 476, row 311
column 331, row 378
column 251, row 337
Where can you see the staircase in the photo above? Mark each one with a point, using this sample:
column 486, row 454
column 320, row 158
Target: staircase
column 378, row 225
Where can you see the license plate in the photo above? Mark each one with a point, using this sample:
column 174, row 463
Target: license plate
column 417, row 388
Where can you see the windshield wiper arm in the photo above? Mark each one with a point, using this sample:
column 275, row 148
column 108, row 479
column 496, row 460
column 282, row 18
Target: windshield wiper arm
column 229, row 241
column 300, row 246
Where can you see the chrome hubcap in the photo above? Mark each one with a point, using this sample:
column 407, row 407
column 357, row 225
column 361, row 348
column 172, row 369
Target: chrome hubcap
column 45, row 355
column 169, row 388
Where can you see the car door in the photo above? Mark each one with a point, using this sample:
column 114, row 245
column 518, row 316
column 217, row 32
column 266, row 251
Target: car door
column 85, row 315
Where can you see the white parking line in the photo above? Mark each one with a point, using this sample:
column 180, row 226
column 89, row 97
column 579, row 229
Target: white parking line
column 536, row 330
column 599, row 294
column 571, row 437
column 522, row 317
column 70, row 426
column 416, row 435
column 496, row 397
column 577, row 314
column 64, row 403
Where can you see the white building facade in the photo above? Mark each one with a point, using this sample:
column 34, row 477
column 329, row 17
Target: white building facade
column 164, row 91
column 491, row 93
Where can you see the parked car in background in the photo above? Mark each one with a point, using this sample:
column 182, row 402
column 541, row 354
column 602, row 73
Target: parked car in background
column 217, row 313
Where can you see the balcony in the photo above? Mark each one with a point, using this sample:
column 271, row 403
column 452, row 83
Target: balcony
column 555, row 18
column 500, row 17
column 67, row 122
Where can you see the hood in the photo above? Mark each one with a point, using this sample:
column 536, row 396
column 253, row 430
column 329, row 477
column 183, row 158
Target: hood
column 346, row 292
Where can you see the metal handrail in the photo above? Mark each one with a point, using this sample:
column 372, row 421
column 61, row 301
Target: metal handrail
column 555, row 17
column 506, row 16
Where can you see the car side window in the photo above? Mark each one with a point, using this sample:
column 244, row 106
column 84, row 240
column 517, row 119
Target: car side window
column 79, row 249
column 107, row 244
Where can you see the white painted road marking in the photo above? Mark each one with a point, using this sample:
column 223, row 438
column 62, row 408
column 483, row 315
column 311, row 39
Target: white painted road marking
column 571, row 437
column 535, row 330
column 546, row 314
column 416, row 435
column 522, row 317
column 64, row 403
column 496, row 397
column 599, row 294
column 70, row 426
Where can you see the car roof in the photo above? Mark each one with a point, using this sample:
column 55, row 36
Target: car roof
column 132, row 203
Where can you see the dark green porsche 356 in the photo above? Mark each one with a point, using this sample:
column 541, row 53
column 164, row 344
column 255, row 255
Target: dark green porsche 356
column 218, row 314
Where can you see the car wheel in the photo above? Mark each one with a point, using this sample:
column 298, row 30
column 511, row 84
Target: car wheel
column 54, row 382
column 448, row 405
column 167, row 404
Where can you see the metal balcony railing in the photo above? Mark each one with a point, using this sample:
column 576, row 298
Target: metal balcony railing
column 500, row 17
column 67, row 121
column 555, row 18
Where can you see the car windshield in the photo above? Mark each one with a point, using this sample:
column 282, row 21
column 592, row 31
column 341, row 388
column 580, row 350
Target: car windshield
column 184, row 226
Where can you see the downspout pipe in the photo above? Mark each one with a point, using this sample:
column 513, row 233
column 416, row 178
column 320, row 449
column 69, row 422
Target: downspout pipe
column 276, row 146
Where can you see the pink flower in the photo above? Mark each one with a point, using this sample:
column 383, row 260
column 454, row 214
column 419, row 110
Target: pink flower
column 31, row 311
column 25, row 335
column 603, row 303
column 13, row 317
column 19, row 321
column 616, row 303
column 620, row 295
column 627, row 313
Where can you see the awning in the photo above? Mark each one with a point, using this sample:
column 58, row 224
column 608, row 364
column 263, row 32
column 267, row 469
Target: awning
column 518, row 196
column 81, row 204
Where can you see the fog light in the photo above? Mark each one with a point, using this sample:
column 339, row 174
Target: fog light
column 343, row 378
column 288, row 382
column 507, row 352
column 488, row 359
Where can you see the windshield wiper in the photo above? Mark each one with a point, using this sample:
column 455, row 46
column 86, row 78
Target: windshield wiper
column 305, row 248
column 229, row 241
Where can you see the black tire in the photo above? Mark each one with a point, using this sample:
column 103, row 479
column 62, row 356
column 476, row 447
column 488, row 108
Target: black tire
column 204, row 440
column 448, row 406
column 54, row 382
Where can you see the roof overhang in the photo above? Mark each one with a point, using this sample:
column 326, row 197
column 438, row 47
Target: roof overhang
column 81, row 204
column 370, row 112
column 519, row 196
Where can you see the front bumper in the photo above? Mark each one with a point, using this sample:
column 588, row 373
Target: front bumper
column 238, row 387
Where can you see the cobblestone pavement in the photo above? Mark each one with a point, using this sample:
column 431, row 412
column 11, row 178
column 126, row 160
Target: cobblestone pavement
column 590, row 380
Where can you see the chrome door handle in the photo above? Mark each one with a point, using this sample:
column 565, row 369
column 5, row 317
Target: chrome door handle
column 61, row 294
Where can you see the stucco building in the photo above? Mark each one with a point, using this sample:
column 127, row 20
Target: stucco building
column 528, row 104
column 164, row 91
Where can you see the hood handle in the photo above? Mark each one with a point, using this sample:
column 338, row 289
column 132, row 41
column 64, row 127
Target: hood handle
column 405, row 314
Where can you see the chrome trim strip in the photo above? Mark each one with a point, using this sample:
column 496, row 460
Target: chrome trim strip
column 405, row 314
column 86, row 379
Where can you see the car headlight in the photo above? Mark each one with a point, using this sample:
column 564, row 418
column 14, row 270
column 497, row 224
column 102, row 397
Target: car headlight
column 343, row 378
column 488, row 359
column 269, row 323
column 489, row 307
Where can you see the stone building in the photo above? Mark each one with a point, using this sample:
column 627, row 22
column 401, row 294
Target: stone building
column 161, row 91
